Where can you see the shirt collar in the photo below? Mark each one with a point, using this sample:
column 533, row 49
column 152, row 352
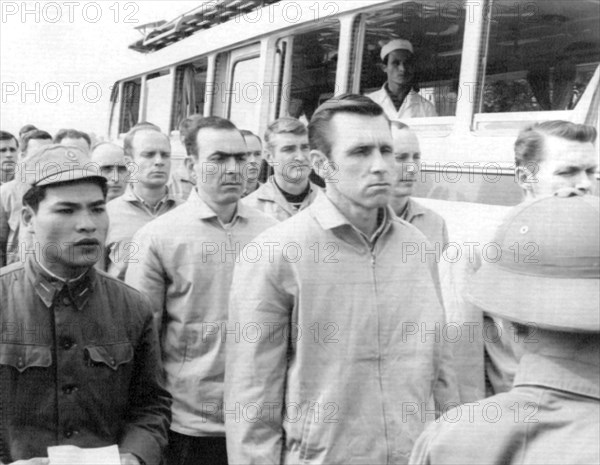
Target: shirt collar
column 131, row 196
column 205, row 212
column 413, row 209
column 47, row 285
column 575, row 376
column 330, row 217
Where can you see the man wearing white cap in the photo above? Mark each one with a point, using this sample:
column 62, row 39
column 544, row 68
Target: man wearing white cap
column 399, row 97
column 547, row 283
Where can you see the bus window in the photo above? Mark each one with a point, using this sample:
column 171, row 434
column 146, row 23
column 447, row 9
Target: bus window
column 435, row 30
column 540, row 55
column 190, row 87
column 245, row 93
column 312, row 77
column 130, row 107
column 158, row 98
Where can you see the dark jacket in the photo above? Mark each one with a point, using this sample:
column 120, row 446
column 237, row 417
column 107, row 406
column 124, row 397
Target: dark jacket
column 79, row 365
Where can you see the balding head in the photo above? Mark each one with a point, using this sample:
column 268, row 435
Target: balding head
column 112, row 164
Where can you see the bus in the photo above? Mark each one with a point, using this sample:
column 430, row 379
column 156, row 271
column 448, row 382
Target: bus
column 489, row 67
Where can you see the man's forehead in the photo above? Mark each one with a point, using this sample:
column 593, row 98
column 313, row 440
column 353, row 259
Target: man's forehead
column 405, row 139
column 8, row 143
column 286, row 138
column 565, row 151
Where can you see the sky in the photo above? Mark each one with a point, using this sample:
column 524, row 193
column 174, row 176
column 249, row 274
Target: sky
column 59, row 60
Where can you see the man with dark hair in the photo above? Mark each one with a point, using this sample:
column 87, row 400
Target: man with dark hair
column 9, row 146
column 110, row 161
column 10, row 201
column 556, row 154
column 333, row 361
column 288, row 190
column 79, row 361
column 185, row 265
column 255, row 161
column 399, row 96
column 146, row 198
column 549, row 306
column 75, row 138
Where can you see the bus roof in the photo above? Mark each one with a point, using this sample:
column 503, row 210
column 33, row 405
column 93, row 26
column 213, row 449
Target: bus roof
column 206, row 15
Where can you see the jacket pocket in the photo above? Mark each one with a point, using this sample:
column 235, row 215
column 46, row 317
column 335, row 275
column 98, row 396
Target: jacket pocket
column 111, row 355
column 23, row 356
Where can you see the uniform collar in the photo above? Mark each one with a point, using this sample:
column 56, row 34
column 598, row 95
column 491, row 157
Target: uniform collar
column 47, row 285
column 562, row 374
column 204, row 211
column 269, row 191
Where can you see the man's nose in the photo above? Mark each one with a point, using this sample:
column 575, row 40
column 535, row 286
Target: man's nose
column 85, row 222
column 583, row 182
column 380, row 164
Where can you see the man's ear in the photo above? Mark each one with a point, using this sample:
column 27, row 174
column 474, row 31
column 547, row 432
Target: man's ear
column 190, row 165
column 322, row 165
column 526, row 179
column 268, row 155
column 27, row 219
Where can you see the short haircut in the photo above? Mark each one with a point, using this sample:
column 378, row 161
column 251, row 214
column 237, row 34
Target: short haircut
column 36, row 134
column 36, row 194
column 206, row 122
column 128, row 141
column 26, row 128
column 5, row 135
column 529, row 146
column 284, row 125
column 72, row 134
column 318, row 128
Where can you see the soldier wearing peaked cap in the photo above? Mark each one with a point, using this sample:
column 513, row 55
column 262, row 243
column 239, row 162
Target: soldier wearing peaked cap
column 78, row 350
column 545, row 288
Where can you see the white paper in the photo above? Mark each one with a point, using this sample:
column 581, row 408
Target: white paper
column 72, row 455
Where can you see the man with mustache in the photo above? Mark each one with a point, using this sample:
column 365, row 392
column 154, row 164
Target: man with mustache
column 255, row 161
column 109, row 160
column 288, row 190
column 79, row 360
column 146, row 198
column 185, row 265
column 340, row 371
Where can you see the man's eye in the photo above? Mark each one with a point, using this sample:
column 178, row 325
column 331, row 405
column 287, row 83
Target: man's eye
column 101, row 209
column 65, row 211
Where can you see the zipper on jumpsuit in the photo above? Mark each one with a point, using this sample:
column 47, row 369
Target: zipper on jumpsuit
column 379, row 356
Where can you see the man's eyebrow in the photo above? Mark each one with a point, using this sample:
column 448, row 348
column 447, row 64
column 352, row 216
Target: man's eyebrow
column 229, row 154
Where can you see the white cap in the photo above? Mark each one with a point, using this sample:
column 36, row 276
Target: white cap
column 396, row 44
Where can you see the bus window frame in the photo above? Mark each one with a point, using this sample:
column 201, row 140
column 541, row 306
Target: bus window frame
column 235, row 56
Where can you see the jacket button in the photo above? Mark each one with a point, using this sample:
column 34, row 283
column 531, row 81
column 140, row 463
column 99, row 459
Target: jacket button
column 68, row 434
column 66, row 301
column 113, row 361
column 20, row 363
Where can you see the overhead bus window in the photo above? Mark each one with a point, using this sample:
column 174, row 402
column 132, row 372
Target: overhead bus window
column 310, row 76
column 540, row 55
column 158, row 98
column 435, row 30
column 114, row 100
column 130, row 107
column 190, row 87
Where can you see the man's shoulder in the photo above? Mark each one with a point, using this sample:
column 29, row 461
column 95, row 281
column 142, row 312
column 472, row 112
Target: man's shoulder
column 121, row 291
column 262, row 194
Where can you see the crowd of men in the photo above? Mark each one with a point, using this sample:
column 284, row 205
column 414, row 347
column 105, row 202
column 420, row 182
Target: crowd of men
column 202, row 316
